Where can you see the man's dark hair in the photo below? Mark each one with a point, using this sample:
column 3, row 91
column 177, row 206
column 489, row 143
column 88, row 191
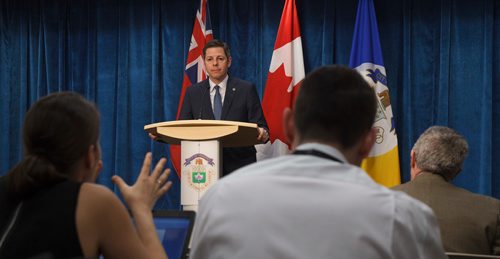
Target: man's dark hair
column 334, row 104
column 58, row 130
column 215, row 43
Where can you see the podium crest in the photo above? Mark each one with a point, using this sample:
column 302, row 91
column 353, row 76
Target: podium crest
column 199, row 171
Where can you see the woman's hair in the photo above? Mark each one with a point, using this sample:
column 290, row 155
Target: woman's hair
column 58, row 130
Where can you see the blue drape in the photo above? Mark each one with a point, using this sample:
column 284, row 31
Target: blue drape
column 128, row 56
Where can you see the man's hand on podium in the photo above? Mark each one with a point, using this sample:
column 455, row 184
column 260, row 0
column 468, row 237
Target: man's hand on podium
column 155, row 138
column 263, row 136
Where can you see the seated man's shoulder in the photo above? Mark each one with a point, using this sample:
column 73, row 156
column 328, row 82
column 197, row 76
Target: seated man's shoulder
column 488, row 201
column 401, row 187
column 461, row 195
column 407, row 204
column 404, row 203
column 245, row 177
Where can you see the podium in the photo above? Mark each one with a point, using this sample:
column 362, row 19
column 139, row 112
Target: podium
column 201, row 150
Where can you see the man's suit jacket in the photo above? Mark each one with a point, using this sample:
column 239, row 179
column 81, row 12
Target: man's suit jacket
column 469, row 222
column 241, row 103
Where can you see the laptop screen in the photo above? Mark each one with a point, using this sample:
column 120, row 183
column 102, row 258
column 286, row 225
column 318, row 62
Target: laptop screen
column 174, row 229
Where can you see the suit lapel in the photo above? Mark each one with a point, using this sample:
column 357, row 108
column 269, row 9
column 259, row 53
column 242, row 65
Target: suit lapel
column 207, row 103
column 228, row 98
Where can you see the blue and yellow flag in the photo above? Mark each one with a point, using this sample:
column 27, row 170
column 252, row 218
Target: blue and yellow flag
column 382, row 164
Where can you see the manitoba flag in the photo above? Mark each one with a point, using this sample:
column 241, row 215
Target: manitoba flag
column 283, row 80
column 195, row 70
column 382, row 163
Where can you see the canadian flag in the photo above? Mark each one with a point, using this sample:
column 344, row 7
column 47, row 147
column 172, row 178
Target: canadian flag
column 283, row 80
column 195, row 70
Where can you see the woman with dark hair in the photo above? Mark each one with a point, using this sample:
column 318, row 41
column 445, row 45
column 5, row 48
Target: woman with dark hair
column 50, row 204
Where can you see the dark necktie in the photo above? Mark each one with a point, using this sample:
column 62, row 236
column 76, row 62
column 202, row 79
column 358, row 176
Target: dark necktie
column 217, row 103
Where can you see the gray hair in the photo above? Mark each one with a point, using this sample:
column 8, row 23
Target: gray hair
column 441, row 150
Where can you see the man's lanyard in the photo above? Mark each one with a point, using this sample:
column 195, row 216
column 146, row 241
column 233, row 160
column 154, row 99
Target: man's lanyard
column 317, row 153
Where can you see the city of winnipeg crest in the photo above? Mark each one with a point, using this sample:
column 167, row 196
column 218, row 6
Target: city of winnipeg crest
column 199, row 171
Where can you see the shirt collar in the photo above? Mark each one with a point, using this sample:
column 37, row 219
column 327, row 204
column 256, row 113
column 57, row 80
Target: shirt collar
column 222, row 85
column 428, row 175
column 325, row 149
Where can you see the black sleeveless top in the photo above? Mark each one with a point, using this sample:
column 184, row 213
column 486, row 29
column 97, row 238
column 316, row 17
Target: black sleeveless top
column 44, row 225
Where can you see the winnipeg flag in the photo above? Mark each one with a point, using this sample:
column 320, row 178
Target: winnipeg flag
column 382, row 163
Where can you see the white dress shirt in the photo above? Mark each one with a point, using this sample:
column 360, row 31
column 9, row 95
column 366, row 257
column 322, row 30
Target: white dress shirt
column 304, row 206
column 222, row 90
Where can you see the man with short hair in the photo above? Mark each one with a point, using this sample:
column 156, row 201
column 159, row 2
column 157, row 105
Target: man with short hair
column 469, row 222
column 316, row 202
column 224, row 97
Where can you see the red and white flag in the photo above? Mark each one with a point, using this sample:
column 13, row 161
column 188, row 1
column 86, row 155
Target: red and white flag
column 195, row 70
column 283, row 80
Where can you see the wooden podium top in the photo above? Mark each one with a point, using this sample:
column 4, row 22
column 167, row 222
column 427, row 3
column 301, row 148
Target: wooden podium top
column 230, row 133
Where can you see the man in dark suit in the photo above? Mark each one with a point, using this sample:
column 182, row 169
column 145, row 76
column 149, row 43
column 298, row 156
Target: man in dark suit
column 222, row 97
column 469, row 222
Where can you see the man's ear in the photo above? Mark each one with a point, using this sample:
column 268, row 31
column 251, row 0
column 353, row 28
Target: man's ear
column 289, row 125
column 413, row 162
column 229, row 62
column 367, row 143
column 414, row 170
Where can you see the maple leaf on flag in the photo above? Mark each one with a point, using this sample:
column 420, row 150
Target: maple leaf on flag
column 281, row 83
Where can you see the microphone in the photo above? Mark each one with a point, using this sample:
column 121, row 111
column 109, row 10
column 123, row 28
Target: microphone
column 202, row 101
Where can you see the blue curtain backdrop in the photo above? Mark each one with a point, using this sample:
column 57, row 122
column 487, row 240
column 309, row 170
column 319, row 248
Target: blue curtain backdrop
column 128, row 56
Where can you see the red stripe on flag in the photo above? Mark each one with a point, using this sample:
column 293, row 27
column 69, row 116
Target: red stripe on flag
column 289, row 25
column 288, row 65
column 202, row 33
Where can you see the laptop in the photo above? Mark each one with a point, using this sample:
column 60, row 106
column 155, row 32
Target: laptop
column 174, row 229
